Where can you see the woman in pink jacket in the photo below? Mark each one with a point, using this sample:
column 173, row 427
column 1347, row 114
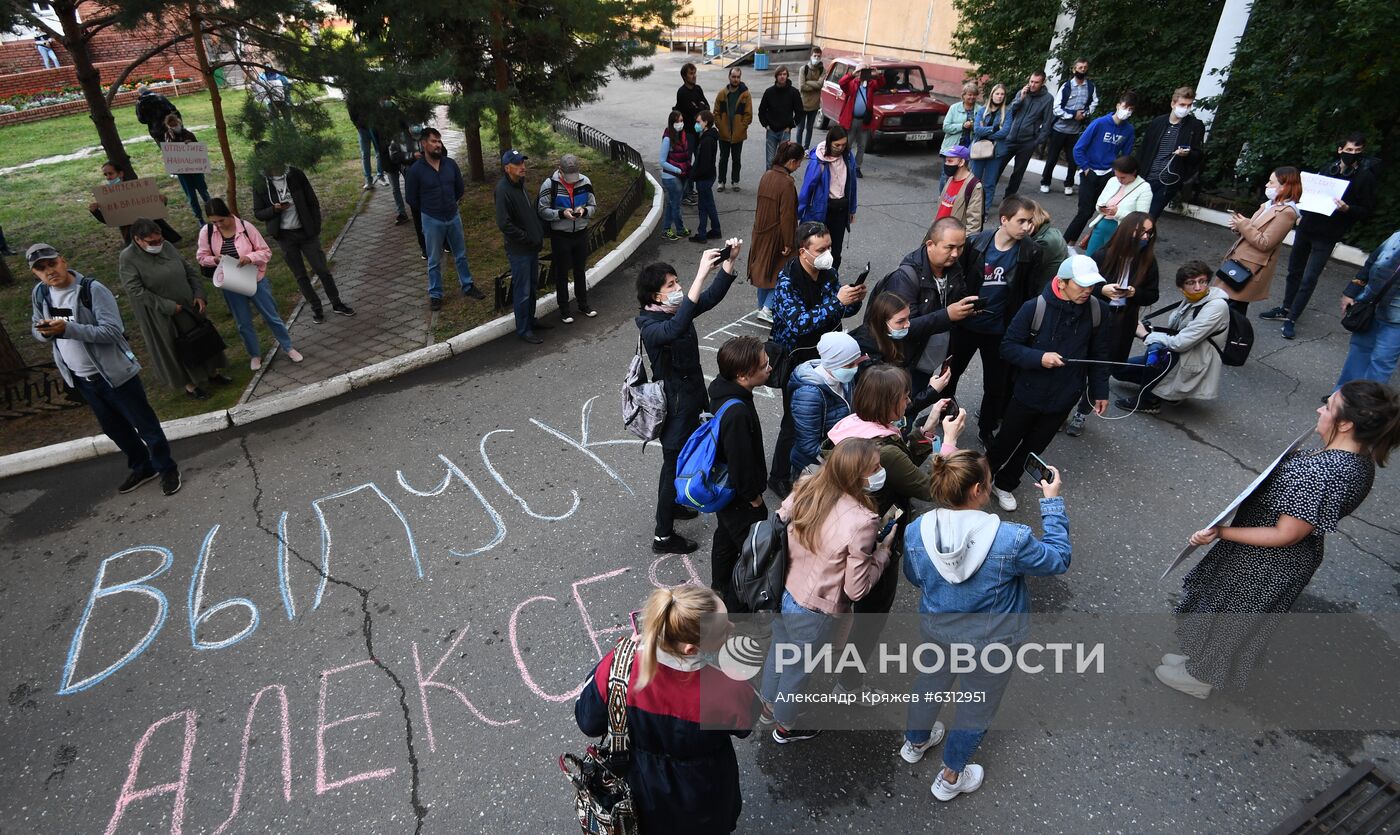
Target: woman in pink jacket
column 229, row 235
column 837, row 549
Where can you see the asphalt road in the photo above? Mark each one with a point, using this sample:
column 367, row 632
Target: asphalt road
column 181, row 664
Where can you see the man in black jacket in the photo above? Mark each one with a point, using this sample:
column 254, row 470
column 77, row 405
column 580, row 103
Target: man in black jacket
column 1318, row 234
column 286, row 202
column 1171, row 150
column 519, row 222
column 151, row 110
column 1032, row 112
column 930, row 280
column 743, row 367
column 1000, row 266
column 778, row 111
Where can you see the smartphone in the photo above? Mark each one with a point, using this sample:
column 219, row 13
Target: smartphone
column 950, row 409
column 944, row 368
column 1037, row 469
column 636, row 630
column 726, row 253
column 889, row 526
column 864, row 274
column 979, row 304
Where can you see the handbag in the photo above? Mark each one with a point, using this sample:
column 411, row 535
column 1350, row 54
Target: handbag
column 197, row 343
column 983, row 149
column 643, row 402
column 603, row 799
column 1234, row 274
column 1361, row 316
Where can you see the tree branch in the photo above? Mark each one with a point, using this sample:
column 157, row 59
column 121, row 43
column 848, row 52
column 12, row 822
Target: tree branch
column 36, row 22
column 141, row 59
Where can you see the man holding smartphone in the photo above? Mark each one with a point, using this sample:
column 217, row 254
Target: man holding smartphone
column 1171, row 150
column 930, row 280
column 285, row 201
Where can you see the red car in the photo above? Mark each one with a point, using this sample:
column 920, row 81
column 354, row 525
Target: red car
column 905, row 107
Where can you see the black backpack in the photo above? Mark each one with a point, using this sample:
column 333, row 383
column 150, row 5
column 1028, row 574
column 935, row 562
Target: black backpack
column 1239, row 335
column 760, row 575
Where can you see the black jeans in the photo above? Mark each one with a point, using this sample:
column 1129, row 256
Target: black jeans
column 782, row 449
column 1024, row 430
column 995, row 373
column 1059, row 144
column 727, row 150
column 126, row 417
column 1089, row 187
column 1161, row 196
column 1022, row 155
column 666, row 494
column 838, row 215
column 1305, row 264
column 732, row 524
column 803, row 136
column 872, row 612
column 570, row 253
column 296, row 245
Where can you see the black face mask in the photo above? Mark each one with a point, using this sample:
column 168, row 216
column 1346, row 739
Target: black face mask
column 1080, row 75
column 1350, row 158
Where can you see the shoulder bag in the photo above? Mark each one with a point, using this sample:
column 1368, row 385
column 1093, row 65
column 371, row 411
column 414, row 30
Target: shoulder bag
column 1361, row 316
column 643, row 402
column 196, row 339
column 603, row 799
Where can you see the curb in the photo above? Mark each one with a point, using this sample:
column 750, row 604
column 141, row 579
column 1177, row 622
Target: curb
column 81, row 449
column 1345, row 253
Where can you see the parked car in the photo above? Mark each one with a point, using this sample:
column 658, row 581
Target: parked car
column 905, row 108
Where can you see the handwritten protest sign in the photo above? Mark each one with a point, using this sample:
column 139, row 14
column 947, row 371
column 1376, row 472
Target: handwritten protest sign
column 126, row 201
column 1319, row 192
column 185, row 157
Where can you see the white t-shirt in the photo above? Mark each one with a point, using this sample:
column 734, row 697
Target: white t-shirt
column 62, row 305
column 281, row 194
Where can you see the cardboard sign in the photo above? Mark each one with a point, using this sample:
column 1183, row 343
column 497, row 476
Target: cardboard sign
column 129, row 200
column 185, row 157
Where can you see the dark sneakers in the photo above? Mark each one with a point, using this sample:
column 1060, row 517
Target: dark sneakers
column 343, row 309
column 170, row 482
column 1146, row 406
column 136, row 479
column 473, row 293
column 318, row 316
column 783, row 736
column 673, row 544
column 1276, row 314
column 434, row 304
column 531, row 338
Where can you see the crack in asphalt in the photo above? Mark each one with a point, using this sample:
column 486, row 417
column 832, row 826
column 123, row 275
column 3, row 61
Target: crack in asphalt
column 1293, row 343
column 1200, row 439
column 1297, row 383
column 877, row 211
column 420, row 811
column 1349, row 538
column 1365, row 521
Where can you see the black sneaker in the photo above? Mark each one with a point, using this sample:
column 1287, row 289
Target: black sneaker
column 401, row 220
column 343, row 309
column 685, row 514
column 712, row 234
column 473, row 293
column 783, row 736
column 697, row 239
column 541, row 326
column 531, row 338
column 434, row 304
column 858, row 174
column 587, row 311
column 136, row 479
column 318, row 316
column 1276, row 314
column 673, row 544
column 170, row 482
column 197, row 394
column 220, row 380
column 1143, row 407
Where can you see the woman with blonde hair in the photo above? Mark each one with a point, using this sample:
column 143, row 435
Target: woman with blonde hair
column 966, row 560
column 681, row 714
column 837, row 549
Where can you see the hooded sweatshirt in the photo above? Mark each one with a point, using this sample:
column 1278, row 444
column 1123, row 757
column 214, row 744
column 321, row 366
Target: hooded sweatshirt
column 903, row 460
column 1032, row 118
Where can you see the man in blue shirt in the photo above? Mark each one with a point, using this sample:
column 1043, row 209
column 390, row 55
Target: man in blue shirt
column 1107, row 138
column 433, row 187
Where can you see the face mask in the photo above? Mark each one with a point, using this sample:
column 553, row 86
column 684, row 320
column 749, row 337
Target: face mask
column 1142, row 244
column 899, row 333
column 699, row 128
column 825, row 261
column 875, row 481
column 1195, row 295
column 1271, row 192
column 1350, row 158
column 675, row 297
column 114, row 181
column 1182, row 112
column 815, row 60
column 154, row 250
column 1124, row 114
column 1080, row 75
column 678, row 126
column 842, row 375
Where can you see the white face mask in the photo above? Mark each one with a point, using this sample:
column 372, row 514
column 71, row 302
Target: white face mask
column 815, row 60
column 678, row 126
column 875, row 481
column 154, row 250
column 1124, row 114
column 825, row 261
column 899, row 333
column 842, row 375
column 1182, row 112
column 1270, row 192
column 675, row 297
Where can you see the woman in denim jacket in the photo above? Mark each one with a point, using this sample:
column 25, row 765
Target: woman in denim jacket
column 971, row 568
column 1374, row 352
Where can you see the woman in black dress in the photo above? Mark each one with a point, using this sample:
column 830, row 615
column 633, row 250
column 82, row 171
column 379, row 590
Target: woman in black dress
column 1263, row 561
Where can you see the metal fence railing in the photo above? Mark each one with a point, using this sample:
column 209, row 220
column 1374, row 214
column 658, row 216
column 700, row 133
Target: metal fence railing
column 607, row 228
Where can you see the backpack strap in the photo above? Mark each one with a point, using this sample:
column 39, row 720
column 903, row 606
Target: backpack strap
column 85, row 293
column 619, row 675
column 1095, row 314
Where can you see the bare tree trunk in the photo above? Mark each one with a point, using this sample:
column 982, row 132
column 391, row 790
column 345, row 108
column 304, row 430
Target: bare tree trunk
column 7, row 278
column 215, row 99
column 476, row 164
column 502, row 71
column 11, row 363
column 90, row 80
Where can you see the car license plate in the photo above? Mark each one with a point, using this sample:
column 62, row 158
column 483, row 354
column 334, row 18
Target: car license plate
column 922, row 136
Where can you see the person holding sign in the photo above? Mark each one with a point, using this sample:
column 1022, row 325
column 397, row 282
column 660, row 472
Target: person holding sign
column 194, row 184
column 1264, row 560
column 112, row 177
column 227, row 243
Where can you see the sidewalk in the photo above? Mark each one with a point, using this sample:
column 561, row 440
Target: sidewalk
column 382, row 275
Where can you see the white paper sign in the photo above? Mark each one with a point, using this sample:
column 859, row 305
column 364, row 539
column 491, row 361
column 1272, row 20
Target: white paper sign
column 1319, row 191
column 242, row 280
column 1228, row 514
column 185, row 157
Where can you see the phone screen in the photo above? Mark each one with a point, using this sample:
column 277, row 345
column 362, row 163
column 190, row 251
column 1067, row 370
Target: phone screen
column 1037, row 469
column 947, row 364
column 979, row 303
column 950, row 409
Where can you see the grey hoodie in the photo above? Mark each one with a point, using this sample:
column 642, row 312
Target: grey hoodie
column 98, row 327
column 1033, row 117
column 958, row 541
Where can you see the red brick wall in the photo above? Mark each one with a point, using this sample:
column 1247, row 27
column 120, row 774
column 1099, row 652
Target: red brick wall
column 40, row 81
column 109, row 45
column 123, row 99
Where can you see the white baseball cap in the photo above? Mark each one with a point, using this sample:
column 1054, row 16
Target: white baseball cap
column 1081, row 269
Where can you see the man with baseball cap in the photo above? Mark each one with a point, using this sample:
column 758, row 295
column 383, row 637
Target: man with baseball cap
column 1056, row 342
column 566, row 203
column 519, row 222
column 79, row 317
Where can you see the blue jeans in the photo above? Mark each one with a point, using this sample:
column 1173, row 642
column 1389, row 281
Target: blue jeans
column 799, row 627
column 435, row 234
column 1305, row 264
column 47, row 55
column 709, row 217
column 524, row 281
column 242, row 309
column 369, row 139
column 126, row 417
column 988, row 171
column 765, row 295
column 971, row 720
column 195, row 186
column 394, row 182
column 671, row 218
column 1373, row 354
column 771, row 145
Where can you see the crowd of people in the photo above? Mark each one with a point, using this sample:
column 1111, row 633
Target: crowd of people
column 868, row 470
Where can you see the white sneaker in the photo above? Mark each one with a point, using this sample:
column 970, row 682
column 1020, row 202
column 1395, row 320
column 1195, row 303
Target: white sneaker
column 1069, row 189
column 969, row 781
column 255, row 363
column 913, row 753
column 765, row 315
column 1171, row 659
column 294, row 355
column 1044, row 189
column 1178, row 679
column 1005, row 500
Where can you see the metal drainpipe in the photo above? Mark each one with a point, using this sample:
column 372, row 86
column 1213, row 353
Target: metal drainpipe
column 865, row 39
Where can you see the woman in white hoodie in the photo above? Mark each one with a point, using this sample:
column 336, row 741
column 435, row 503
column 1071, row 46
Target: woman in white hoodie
column 965, row 560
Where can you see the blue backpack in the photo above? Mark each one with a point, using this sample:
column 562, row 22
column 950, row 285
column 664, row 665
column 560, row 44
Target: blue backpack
column 702, row 483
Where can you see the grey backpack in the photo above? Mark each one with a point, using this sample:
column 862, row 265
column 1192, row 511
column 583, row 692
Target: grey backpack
column 643, row 403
